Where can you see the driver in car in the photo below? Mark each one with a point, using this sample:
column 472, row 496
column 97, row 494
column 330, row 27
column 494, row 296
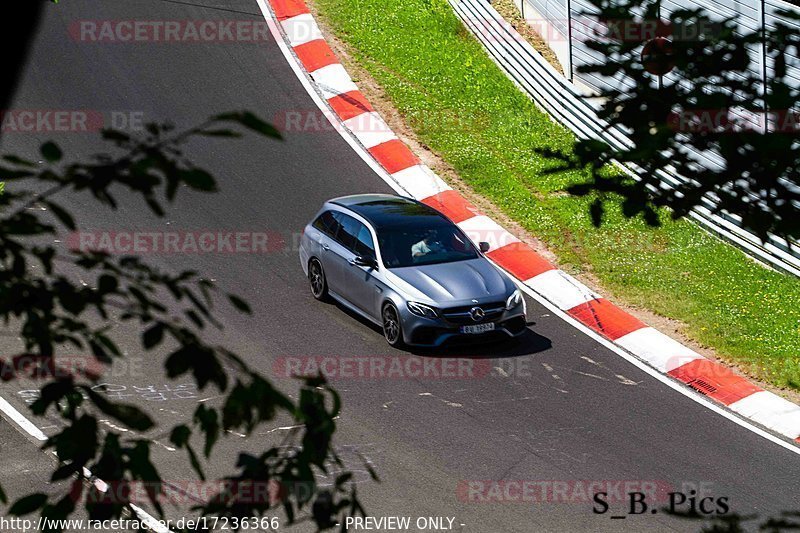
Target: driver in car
column 427, row 245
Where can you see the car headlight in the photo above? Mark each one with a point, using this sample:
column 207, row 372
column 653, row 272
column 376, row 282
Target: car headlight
column 513, row 300
column 422, row 310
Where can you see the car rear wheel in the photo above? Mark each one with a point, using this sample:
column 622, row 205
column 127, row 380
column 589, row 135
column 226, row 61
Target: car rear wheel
column 391, row 326
column 316, row 277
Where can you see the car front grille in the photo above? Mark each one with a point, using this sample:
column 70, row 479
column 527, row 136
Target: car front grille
column 461, row 315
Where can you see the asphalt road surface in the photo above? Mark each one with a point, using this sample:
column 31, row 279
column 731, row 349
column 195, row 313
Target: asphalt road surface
column 556, row 409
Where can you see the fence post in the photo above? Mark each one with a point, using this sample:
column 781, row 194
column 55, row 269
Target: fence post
column 569, row 37
column 764, row 63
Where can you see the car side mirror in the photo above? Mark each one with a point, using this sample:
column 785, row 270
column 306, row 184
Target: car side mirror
column 360, row 260
column 484, row 247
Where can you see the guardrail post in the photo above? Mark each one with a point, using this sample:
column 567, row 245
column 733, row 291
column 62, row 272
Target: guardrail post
column 764, row 63
column 569, row 36
column 565, row 104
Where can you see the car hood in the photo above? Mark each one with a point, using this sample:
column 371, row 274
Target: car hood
column 459, row 280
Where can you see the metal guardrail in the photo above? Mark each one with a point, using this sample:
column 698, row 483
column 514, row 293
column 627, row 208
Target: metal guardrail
column 562, row 100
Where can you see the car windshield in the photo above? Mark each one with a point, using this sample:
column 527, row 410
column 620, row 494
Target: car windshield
column 423, row 244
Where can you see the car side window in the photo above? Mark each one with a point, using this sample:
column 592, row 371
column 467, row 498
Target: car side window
column 349, row 229
column 364, row 247
column 327, row 224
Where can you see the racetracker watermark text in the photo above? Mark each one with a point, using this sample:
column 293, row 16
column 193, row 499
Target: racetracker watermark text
column 69, row 120
column 381, row 367
column 170, row 31
column 167, row 242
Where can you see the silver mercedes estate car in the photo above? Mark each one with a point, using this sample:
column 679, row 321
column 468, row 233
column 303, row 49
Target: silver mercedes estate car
column 409, row 269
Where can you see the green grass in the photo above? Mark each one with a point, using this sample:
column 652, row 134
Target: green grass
column 483, row 126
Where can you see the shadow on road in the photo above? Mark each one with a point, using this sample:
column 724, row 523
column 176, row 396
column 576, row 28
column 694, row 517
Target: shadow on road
column 495, row 347
column 528, row 343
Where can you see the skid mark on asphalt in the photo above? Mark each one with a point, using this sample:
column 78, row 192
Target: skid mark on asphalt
column 521, row 370
column 622, row 379
column 114, row 426
column 446, row 402
column 523, row 399
column 358, row 459
column 588, row 375
column 168, row 448
column 281, row 428
column 548, row 443
column 555, row 377
column 501, row 372
column 121, row 429
column 209, row 398
column 560, row 384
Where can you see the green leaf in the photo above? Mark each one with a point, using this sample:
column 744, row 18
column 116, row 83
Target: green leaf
column 219, row 133
column 8, row 174
column 28, row 504
column 130, row 415
column 194, row 317
column 179, row 362
column 198, row 179
column 195, row 463
column 65, row 471
column 51, row 152
column 153, row 336
column 240, row 304
column 18, row 160
column 154, row 206
column 107, row 283
column 180, row 435
column 109, row 344
column 115, row 135
column 99, row 352
column 50, row 394
column 209, row 424
column 62, row 215
column 251, row 121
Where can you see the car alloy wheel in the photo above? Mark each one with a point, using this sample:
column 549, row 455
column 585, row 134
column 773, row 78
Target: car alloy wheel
column 316, row 276
column 391, row 326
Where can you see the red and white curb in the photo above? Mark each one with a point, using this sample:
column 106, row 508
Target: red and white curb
column 353, row 111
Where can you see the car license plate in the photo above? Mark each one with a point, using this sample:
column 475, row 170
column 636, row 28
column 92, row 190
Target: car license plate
column 478, row 328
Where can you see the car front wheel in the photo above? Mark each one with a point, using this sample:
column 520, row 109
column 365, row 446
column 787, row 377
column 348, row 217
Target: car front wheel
column 316, row 277
column 391, row 326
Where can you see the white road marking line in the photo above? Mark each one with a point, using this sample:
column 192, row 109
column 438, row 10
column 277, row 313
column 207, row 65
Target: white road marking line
column 29, row 427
